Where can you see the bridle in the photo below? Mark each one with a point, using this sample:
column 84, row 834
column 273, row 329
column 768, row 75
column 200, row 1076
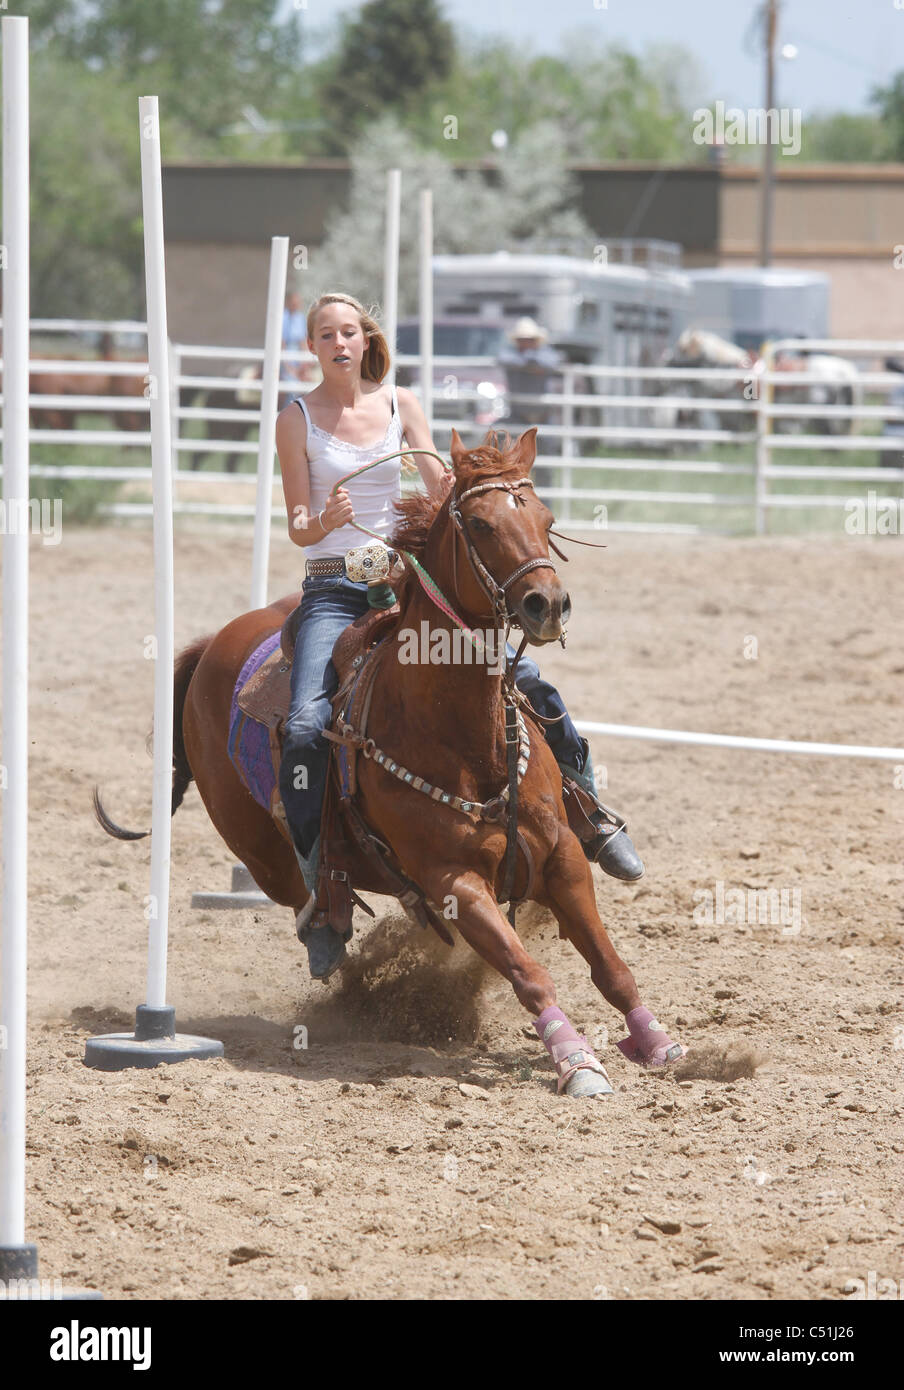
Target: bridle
column 496, row 592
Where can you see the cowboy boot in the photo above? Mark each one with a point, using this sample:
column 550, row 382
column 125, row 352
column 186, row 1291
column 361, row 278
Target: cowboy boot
column 325, row 947
column 600, row 830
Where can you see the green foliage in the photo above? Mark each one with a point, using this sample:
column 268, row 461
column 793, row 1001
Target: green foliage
column 389, row 53
column 843, row 137
column 528, row 207
column 890, row 103
column 86, row 245
column 205, row 58
column 606, row 102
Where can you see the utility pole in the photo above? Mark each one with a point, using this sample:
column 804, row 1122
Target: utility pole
column 767, row 189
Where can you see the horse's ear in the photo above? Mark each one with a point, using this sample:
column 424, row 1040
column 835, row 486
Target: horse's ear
column 526, row 448
column 457, row 450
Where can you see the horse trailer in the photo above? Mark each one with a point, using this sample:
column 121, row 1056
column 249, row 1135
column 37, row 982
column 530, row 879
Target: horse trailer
column 748, row 306
column 617, row 315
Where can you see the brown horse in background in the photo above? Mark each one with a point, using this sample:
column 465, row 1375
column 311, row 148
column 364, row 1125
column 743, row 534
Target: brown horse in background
column 76, row 383
column 446, row 722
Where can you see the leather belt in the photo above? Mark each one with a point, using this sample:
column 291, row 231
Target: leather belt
column 324, row 568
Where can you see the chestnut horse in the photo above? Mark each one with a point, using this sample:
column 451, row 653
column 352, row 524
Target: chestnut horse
column 446, row 722
column 77, row 383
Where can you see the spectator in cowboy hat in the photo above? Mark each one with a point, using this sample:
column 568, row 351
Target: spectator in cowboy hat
column 529, row 370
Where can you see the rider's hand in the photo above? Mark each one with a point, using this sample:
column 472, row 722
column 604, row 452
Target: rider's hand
column 338, row 510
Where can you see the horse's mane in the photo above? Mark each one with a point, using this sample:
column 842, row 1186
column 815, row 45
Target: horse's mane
column 418, row 513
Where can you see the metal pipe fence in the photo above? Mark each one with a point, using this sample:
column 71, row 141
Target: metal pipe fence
column 664, row 423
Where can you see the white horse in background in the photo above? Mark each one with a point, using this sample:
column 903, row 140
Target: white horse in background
column 697, row 348
column 834, row 381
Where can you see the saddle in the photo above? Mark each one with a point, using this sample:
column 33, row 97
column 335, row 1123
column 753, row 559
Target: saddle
column 351, row 855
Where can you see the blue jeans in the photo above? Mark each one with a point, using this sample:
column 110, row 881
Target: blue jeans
column 328, row 605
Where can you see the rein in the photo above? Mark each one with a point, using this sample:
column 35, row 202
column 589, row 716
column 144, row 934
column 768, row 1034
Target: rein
column 428, row 584
column 494, row 592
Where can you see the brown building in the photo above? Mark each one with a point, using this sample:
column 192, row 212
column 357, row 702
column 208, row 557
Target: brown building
column 845, row 219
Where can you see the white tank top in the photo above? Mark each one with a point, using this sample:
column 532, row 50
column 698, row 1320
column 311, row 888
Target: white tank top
column 372, row 494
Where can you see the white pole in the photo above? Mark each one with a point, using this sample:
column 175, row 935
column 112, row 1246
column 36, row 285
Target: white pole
column 763, row 458
column 14, row 768
column 426, row 305
column 391, row 263
column 162, row 488
column 276, row 293
column 759, row 745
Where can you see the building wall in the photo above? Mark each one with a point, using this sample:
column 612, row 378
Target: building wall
column 839, row 218
column 216, row 294
column 829, row 211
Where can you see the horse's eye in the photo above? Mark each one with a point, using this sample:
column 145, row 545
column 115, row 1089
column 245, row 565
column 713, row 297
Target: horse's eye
column 480, row 525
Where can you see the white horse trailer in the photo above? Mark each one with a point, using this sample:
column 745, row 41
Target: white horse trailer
column 618, row 315
column 748, row 306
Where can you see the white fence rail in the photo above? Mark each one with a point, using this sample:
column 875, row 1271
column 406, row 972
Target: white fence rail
column 638, row 408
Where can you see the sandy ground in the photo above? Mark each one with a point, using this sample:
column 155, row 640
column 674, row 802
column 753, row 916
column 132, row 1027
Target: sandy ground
column 356, row 1167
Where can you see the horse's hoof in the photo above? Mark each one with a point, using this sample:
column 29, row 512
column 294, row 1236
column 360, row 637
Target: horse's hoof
column 326, row 952
column 588, row 1083
column 659, row 1058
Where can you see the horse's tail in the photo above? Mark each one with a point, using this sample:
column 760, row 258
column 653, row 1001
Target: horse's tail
column 185, row 666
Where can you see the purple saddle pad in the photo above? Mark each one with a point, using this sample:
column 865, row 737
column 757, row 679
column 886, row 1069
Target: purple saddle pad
column 250, row 746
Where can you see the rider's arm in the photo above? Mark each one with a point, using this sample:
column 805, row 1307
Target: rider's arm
column 417, row 436
column 291, row 445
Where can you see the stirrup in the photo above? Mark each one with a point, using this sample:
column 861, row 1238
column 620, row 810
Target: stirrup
column 601, row 831
column 326, row 947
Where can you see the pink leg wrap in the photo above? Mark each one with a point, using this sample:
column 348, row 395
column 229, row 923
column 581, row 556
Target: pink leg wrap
column 648, row 1044
column 568, row 1050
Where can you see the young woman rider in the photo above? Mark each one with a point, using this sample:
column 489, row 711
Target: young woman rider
column 350, row 419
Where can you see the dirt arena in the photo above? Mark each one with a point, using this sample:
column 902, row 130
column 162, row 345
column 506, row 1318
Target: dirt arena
column 416, row 1148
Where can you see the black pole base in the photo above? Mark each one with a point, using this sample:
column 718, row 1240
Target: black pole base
column 155, row 1040
column 19, row 1282
column 18, row 1262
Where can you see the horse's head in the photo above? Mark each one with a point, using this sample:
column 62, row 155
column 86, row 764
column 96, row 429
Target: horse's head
column 500, row 563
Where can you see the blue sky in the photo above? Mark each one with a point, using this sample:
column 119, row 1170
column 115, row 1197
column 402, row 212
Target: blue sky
column 844, row 46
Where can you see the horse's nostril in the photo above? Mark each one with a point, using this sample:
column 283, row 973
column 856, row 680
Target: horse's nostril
column 566, row 608
column 535, row 605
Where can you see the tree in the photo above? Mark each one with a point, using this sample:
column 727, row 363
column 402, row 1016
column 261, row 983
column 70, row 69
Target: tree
column 890, row 104
column 843, row 136
column 205, row 58
column 86, row 240
column 606, row 102
column 388, row 55
column 529, row 207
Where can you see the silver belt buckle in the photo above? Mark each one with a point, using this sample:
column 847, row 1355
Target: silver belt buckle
column 370, row 564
